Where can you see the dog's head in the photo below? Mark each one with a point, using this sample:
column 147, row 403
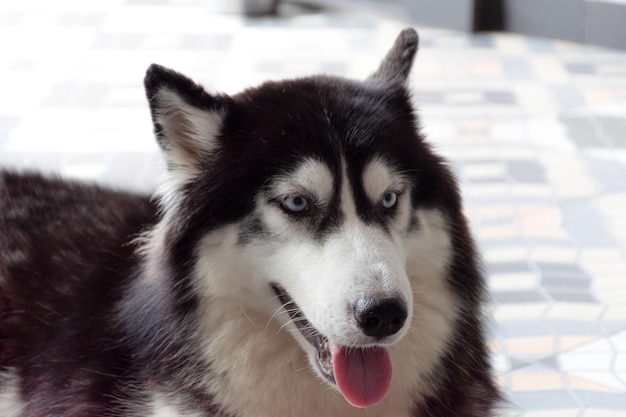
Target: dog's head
column 315, row 200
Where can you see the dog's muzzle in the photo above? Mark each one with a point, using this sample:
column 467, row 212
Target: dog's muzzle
column 362, row 373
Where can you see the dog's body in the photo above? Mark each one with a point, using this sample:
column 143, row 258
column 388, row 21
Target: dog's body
column 308, row 257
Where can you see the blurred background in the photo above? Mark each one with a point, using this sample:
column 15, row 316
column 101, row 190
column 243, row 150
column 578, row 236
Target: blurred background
column 526, row 98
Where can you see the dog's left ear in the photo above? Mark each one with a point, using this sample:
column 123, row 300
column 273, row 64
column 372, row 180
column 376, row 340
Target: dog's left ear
column 187, row 120
column 395, row 68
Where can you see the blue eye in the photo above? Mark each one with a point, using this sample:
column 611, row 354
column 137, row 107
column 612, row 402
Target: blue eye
column 295, row 203
column 389, row 200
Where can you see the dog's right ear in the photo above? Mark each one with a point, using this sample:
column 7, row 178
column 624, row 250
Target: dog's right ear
column 395, row 68
column 187, row 119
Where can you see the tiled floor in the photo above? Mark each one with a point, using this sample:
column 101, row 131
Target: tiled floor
column 536, row 130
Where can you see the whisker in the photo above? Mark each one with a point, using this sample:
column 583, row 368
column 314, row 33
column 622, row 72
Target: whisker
column 273, row 316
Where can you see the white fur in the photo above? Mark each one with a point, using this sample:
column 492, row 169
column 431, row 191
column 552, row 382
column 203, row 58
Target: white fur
column 188, row 134
column 259, row 370
column 311, row 178
column 161, row 406
column 379, row 178
column 10, row 402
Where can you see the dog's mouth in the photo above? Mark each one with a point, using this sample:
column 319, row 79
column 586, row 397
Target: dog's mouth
column 362, row 374
column 324, row 358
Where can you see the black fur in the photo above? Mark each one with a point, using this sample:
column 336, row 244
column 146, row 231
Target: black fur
column 66, row 257
column 86, row 334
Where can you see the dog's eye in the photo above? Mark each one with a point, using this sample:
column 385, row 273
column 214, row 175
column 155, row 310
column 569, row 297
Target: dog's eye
column 389, row 200
column 295, row 203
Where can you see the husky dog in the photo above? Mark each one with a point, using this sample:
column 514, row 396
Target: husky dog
column 306, row 256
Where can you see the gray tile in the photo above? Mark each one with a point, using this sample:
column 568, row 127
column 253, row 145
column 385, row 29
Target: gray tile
column 430, row 97
column 517, row 68
column 581, row 68
column 481, row 41
column 544, row 400
column 500, row 97
column 526, row 328
column 608, row 174
column 526, row 170
column 428, row 43
column 534, row 364
column 553, row 267
column 518, row 297
column 568, row 96
column 540, row 45
column 499, row 221
column 583, row 132
column 585, row 224
column 498, row 243
column 570, row 283
column 556, row 242
column 504, row 267
column 490, row 180
column 558, row 270
column 564, row 296
column 578, row 328
column 551, row 363
column 602, row 400
column 614, row 129
column 520, row 363
column 614, row 326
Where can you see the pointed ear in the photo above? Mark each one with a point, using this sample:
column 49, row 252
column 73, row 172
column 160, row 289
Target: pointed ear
column 396, row 66
column 187, row 119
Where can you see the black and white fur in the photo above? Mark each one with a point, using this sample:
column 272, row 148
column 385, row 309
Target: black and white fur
column 295, row 200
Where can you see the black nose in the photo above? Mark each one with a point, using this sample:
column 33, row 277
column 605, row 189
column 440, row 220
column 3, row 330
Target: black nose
column 379, row 318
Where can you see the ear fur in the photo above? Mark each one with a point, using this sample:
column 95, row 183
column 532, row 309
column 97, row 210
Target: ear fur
column 395, row 68
column 187, row 119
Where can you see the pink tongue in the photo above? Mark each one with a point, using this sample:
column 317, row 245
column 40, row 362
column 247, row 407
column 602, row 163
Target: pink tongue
column 362, row 375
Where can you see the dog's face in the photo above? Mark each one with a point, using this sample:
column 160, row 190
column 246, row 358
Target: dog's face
column 321, row 192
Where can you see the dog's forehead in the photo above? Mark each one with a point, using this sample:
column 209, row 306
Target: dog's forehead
column 323, row 116
column 317, row 101
column 345, row 127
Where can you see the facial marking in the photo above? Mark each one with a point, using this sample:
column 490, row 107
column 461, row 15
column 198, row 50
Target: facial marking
column 312, row 179
column 383, row 197
column 379, row 178
column 301, row 201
